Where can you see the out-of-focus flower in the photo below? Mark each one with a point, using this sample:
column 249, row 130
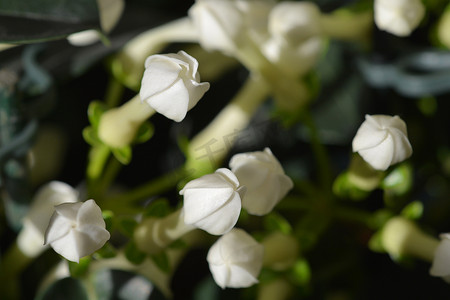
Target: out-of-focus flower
column 280, row 251
column 400, row 237
column 31, row 238
column 382, row 141
column 225, row 25
column 171, row 84
column 235, row 259
column 76, row 230
column 295, row 36
column 110, row 12
column 441, row 260
column 263, row 176
column 399, row 17
column 213, row 202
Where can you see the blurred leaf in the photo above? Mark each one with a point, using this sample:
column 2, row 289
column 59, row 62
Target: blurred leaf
column 107, row 251
column 162, row 261
column 145, row 132
column 95, row 111
column 399, row 181
column 380, row 217
column 133, row 254
column 67, row 288
column 343, row 188
column 79, row 269
column 413, row 210
column 178, row 244
column 28, row 21
column 127, row 226
column 90, row 136
column 276, row 222
column 108, row 216
column 122, row 154
column 309, row 229
column 158, row 209
column 207, row 289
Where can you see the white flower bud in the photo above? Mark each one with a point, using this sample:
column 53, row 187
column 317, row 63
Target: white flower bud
column 295, row 36
column 235, row 260
column 76, row 230
column 213, row 202
column 224, row 25
column 382, row 141
column 441, row 260
column 399, row 17
column 263, row 176
column 171, row 84
column 31, row 237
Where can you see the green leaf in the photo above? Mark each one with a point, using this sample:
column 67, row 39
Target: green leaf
column 68, row 289
column 158, row 208
column 28, row 21
column 122, row 154
column 178, row 244
column 145, row 132
column 162, row 261
column 133, row 254
column 95, row 112
column 127, row 226
column 90, row 136
column 413, row 210
column 79, row 269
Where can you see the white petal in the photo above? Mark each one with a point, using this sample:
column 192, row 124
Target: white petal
column 67, row 246
column 221, row 274
column 240, row 277
column 58, row 227
column 161, row 72
column 90, row 213
column 379, row 157
column 441, row 261
column 69, row 210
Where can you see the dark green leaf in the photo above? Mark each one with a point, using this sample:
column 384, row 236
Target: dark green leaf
column 301, row 272
column 122, row 154
column 127, row 226
column 413, row 210
column 28, row 21
column 162, row 261
column 375, row 243
column 80, row 268
column 68, row 289
column 107, row 251
column 144, row 133
column 178, row 244
column 108, row 216
column 207, row 289
column 133, row 254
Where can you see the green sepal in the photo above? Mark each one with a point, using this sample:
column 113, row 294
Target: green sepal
column 399, row 180
column 95, row 112
column 343, row 188
column 301, row 272
column 79, row 269
column 144, row 133
column 133, row 254
column 91, row 137
column 161, row 260
column 158, row 209
column 375, row 243
column 413, row 210
column 123, row 155
column 276, row 222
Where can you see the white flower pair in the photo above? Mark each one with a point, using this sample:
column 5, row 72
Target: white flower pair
column 213, row 202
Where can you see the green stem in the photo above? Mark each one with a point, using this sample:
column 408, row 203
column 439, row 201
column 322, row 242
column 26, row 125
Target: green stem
column 111, row 170
column 153, row 187
column 98, row 156
column 321, row 156
column 114, row 92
